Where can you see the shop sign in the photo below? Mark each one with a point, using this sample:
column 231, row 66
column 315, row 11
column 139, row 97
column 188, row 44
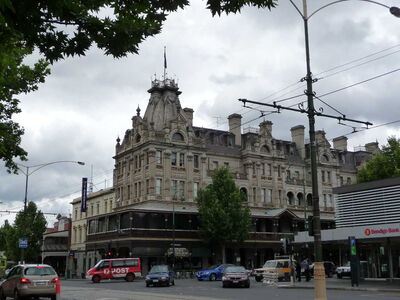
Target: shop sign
column 381, row 231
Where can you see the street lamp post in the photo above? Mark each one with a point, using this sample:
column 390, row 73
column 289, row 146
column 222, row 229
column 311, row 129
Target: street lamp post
column 319, row 272
column 29, row 170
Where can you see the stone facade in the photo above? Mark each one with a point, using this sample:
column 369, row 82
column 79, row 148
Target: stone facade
column 163, row 161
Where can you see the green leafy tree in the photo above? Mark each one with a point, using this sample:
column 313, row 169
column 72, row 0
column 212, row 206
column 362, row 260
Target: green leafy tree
column 59, row 29
column 15, row 78
column 223, row 213
column 31, row 225
column 5, row 232
column 383, row 165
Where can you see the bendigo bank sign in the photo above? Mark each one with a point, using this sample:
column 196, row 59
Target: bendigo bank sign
column 381, row 231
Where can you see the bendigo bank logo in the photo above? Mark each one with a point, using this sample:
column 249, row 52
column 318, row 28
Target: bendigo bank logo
column 381, row 231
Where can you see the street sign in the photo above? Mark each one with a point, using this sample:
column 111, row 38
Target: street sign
column 23, row 243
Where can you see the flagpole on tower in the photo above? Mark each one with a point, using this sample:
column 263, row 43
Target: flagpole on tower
column 165, row 62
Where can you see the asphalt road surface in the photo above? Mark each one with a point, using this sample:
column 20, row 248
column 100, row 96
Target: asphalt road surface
column 200, row 290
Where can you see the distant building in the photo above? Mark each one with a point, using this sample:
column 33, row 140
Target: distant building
column 98, row 204
column 56, row 244
column 163, row 160
column 370, row 212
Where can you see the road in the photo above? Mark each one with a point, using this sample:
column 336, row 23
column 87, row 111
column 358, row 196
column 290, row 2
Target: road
column 204, row 290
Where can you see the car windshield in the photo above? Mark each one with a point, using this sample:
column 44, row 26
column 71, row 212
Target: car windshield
column 40, row 271
column 159, row 269
column 235, row 269
column 214, row 267
column 270, row 264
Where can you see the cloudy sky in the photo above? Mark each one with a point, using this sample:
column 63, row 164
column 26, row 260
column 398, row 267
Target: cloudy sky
column 87, row 102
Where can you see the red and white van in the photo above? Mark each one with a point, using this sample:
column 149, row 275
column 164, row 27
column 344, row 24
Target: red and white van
column 115, row 268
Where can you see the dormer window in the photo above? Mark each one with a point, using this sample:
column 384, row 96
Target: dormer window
column 177, row 137
column 265, row 149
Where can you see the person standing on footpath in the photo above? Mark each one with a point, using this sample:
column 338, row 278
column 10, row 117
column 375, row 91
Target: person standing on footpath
column 306, row 267
column 298, row 271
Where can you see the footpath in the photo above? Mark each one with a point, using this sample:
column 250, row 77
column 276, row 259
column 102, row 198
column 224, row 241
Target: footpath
column 375, row 285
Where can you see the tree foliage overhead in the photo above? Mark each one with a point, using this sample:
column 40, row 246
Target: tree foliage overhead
column 223, row 213
column 59, row 29
column 383, row 165
column 70, row 27
column 31, row 225
column 15, row 78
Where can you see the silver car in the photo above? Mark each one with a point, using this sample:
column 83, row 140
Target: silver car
column 34, row 280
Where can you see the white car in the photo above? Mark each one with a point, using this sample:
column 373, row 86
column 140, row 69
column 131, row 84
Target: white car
column 344, row 270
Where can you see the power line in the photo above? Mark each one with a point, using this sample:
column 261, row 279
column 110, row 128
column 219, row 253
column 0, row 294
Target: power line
column 360, row 82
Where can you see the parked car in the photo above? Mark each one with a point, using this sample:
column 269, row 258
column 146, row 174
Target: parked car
column 280, row 266
column 235, row 276
column 30, row 280
column 330, row 269
column 115, row 268
column 213, row 273
column 344, row 270
column 160, row 275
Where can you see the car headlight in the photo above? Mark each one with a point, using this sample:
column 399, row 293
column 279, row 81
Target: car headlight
column 147, row 277
column 224, row 278
column 164, row 277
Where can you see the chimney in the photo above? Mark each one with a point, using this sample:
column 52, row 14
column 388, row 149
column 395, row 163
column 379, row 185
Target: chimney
column 266, row 128
column 235, row 124
column 188, row 112
column 372, row 147
column 298, row 139
column 340, row 143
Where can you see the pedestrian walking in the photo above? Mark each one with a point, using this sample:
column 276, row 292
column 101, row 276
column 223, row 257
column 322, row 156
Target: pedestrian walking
column 306, row 267
column 298, row 271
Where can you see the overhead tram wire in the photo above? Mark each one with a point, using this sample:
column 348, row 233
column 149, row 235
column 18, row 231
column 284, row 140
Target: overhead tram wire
column 360, row 82
column 359, row 59
column 356, row 66
column 329, row 75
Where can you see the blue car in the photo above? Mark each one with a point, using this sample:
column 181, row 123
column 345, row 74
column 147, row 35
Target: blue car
column 160, row 275
column 213, row 273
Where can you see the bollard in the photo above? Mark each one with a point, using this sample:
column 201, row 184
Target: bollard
column 58, row 289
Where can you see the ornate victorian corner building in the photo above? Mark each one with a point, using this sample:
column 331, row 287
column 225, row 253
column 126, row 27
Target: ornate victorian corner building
column 163, row 161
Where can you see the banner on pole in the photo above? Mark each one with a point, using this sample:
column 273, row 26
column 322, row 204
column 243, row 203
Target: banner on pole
column 84, row 194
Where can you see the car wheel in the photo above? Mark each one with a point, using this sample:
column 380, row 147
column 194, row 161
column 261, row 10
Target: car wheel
column 96, row 279
column 213, row 277
column 173, row 282
column 2, row 297
column 224, row 285
column 53, row 297
column 339, row 276
column 130, row 277
column 199, row 279
column 247, row 285
column 16, row 295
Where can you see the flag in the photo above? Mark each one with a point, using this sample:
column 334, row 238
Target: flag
column 84, row 194
column 165, row 58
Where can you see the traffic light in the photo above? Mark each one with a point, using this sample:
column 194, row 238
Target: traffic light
column 310, row 223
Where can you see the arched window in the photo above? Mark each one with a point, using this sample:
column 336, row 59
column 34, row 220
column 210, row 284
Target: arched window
column 290, row 198
column 265, row 149
column 177, row 137
column 244, row 190
column 138, row 138
column 309, row 200
column 325, row 158
column 300, row 199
